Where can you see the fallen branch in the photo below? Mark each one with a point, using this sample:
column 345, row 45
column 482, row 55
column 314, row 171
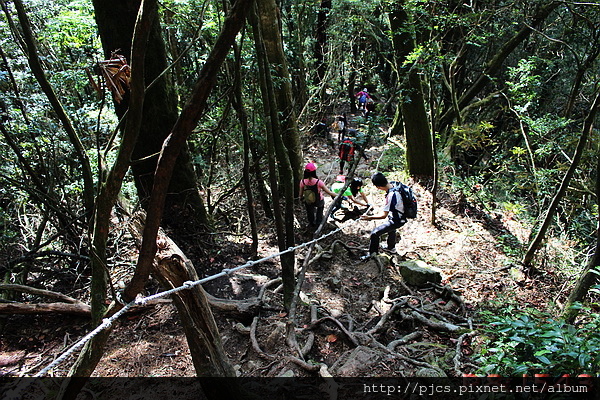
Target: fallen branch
column 240, row 310
column 46, row 308
column 40, row 292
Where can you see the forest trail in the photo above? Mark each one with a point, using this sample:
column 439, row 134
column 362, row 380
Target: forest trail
column 466, row 244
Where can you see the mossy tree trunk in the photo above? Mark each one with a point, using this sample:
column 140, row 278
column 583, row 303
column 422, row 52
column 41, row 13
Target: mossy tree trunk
column 419, row 146
column 277, row 155
column 270, row 23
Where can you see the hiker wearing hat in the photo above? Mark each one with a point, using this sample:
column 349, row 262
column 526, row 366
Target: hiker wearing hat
column 311, row 193
column 393, row 210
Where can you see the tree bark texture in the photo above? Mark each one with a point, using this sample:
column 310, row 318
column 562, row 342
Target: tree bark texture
column 270, row 23
column 419, row 147
column 116, row 20
column 276, row 155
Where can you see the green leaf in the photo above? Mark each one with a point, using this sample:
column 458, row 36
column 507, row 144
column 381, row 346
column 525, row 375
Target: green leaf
column 545, row 360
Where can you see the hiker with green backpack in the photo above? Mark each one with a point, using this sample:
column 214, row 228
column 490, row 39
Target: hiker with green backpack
column 311, row 193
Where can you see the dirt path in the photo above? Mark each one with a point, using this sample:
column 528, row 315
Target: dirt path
column 465, row 245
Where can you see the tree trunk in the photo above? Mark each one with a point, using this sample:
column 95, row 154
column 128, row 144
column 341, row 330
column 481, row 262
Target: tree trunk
column 172, row 268
column 352, row 79
column 38, row 72
column 107, row 196
column 579, row 76
column 184, row 126
column 587, row 278
column 321, row 40
column 116, row 19
column 419, row 147
column 277, row 156
column 588, row 127
column 238, row 104
column 270, row 23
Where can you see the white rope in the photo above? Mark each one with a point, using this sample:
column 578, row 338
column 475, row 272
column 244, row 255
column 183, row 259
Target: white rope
column 107, row 322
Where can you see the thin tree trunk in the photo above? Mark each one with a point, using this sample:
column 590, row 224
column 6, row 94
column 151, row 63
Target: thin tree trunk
column 277, row 155
column 588, row 276
column 321, row 39
column 238, row 104
column 109, row 191
column 38, row 72
column 577, row 81
column 176, row 141
column 588, row 127
column 352, row 78
column 184, row 126
column 258, row 175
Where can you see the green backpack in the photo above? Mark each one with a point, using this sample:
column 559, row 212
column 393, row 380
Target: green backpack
column 311, row 193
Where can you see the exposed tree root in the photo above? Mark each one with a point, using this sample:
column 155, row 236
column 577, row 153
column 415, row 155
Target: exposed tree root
column 349, row 335
column 457, row 356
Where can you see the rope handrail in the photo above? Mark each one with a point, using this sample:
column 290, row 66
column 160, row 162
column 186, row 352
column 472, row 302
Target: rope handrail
column 107, row 322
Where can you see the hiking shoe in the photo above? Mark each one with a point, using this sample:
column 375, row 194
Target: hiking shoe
column 391, row 251
column 365, row 257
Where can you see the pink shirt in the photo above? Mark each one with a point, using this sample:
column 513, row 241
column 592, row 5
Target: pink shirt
column 311, row 182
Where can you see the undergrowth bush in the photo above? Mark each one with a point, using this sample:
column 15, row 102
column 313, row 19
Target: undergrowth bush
column 531, row 341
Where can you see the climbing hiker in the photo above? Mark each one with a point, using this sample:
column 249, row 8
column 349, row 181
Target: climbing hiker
column 311, row 193
column 362, row 97
column 353, row 193
column 340, row 125
column 347, row 149
column 393, row 210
